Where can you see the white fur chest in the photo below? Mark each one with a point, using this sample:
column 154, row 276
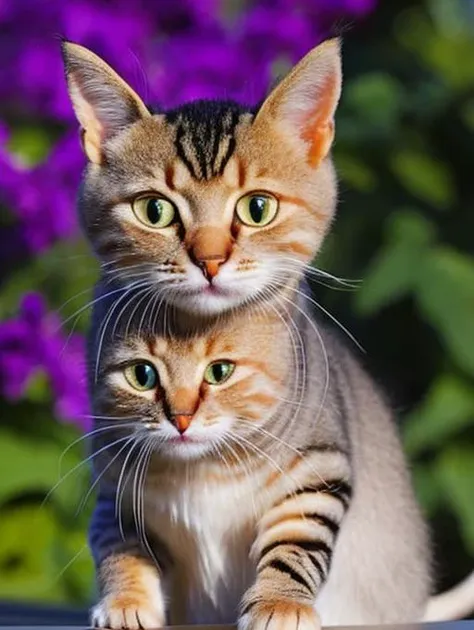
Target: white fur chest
column 208, row 528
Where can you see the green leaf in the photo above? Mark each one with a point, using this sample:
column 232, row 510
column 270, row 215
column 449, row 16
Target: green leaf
column 355, row 172
column 376, row 97
column 440, row 44
column 445, row 295
column 30, row 144
column 74, row 560
column 455, row 468
column 447, row 409
column 427, row 490
column 393, row 272
column 424, row 177
column 467, row 113
column 26, row 468
column 66, row 273
column 37, row 388
column 27, row 570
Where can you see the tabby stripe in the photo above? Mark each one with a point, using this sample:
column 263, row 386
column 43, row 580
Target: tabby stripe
column 320, row 564
column 340, row 490
column 181, row 153
column 317, row 565
column 295, row 554
column 282, row 567
column 218, row 137
column 230, row 150
column 248, row 606
column 324, row 520
column 309, row 547
column 234, row 121
column 314, row 546
column 266, row 550
column 199, row 149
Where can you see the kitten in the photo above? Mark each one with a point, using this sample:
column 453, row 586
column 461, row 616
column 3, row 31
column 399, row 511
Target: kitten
column 256, row 476
column 211, row 205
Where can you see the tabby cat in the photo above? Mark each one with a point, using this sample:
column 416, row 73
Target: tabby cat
column 210, row 209
column 212, row 205
column 249, row 471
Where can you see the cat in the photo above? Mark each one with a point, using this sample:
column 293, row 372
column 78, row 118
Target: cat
column 213, row 205
column 256, row 476
column 209, row 208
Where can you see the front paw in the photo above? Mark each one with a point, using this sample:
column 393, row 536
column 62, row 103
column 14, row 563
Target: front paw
column 127, row 612
column 279, row 615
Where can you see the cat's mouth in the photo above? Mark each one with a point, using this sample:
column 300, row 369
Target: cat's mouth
column 182, row 439
column 211, row 289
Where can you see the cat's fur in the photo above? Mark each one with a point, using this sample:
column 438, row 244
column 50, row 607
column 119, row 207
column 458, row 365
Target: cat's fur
column 204, row 157
column 211, row 528
column 296, row 494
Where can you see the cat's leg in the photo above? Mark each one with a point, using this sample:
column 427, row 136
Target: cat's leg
column 294, row 548
column 131, row 594
column 130, row 584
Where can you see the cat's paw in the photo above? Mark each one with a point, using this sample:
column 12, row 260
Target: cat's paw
column 280, row 615
column 126, row 612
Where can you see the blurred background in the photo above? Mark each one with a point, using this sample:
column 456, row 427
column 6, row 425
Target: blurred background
column 405, row 156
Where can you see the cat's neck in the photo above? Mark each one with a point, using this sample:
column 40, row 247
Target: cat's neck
column 286, row 300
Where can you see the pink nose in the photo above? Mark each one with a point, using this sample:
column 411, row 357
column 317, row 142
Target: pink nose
column 210, row 267
column 182, row 421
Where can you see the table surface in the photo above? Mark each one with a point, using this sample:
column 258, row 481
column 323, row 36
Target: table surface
column 27, row 616
column 451, row 625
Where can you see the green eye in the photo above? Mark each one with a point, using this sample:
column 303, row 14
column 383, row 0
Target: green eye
column 154, row 212
column 218, row 372
column 257, row 209
column 142, row 376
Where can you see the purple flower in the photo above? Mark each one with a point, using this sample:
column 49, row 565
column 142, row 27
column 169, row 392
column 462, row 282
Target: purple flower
column 185, row 49
column 204, row 66
column 33, row 342
column 43, row 197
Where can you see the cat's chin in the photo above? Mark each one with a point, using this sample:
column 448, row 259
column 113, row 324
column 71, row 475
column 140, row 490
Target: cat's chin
column 185, row 449
column 209, row 301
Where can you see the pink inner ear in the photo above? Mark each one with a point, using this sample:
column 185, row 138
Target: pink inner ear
column 318, row 127
column 92, row 130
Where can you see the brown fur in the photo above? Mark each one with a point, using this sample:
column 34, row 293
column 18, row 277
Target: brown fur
column 274, row 480
column 276, row 491
column 273, row 150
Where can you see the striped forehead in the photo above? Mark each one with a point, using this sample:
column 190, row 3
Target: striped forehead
column 205, row 136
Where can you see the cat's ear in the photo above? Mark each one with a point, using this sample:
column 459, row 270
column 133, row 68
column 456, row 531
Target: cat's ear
column 104, row 104
column 304, row 103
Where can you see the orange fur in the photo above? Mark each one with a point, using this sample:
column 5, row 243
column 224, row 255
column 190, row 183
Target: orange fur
column 282, row 149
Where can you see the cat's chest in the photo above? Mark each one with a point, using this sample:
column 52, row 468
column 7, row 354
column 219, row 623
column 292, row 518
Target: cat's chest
column 208, row 530
column 209, row 514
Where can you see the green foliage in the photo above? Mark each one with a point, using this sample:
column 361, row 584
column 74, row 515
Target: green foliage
column 41, row 533
column 424, row 177
column 446, row 411
column 26, row 540
column 406, row 228
column 448, row 302
column 393, row 273
column 455, row 471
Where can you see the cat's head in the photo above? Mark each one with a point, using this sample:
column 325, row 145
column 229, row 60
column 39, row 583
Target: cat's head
column 199, row 396
column 212, row 203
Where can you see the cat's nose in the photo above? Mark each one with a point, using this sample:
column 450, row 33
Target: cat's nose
column 182, row 421
column 209, row 247
column 210, row 266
